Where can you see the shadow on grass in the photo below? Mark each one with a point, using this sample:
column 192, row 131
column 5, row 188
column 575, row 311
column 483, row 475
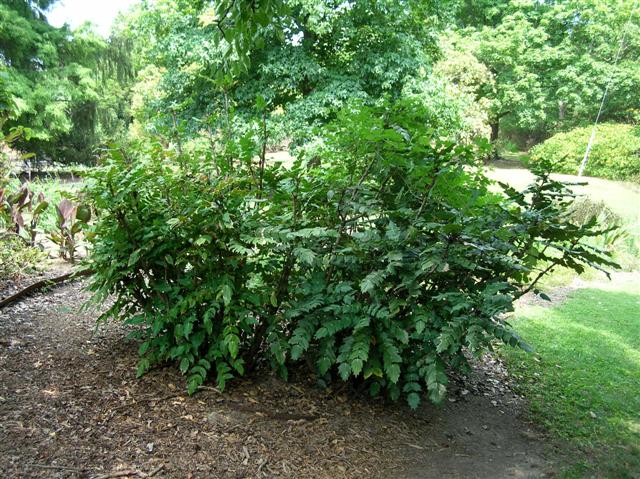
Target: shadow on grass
column 584, row 380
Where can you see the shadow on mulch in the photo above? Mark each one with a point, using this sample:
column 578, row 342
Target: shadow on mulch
column 70, row 407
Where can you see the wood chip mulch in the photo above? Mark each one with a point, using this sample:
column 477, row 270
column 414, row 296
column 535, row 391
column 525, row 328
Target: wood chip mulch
column 71, row 407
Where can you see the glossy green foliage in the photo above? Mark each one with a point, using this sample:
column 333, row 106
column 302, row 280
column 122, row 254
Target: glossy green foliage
column 379, row 258
column 614, row 154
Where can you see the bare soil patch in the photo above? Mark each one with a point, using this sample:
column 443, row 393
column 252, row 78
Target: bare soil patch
column 70, row 407
column 560, row 294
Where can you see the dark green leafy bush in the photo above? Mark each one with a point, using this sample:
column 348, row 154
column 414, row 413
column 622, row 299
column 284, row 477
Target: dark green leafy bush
column 381, row 259
column 615, row 153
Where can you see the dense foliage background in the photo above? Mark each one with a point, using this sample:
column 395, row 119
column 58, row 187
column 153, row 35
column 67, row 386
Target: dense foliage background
column 65, row 86
column 519, row 72
column 379, row 253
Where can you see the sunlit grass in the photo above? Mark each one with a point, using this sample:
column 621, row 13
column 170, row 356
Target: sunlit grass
column 622, row 197
column 583, row 382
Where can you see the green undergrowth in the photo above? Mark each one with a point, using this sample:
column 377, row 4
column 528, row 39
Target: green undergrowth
column 16, row 258
column 582, row 381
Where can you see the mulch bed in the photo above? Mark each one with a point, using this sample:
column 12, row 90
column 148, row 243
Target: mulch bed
column 70, row 407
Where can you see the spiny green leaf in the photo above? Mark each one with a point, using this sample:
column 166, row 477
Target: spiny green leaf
column 413, row 399
column 344, row 370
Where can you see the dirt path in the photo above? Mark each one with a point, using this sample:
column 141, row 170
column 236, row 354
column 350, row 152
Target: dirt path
column 70, row 407
column 622, row 197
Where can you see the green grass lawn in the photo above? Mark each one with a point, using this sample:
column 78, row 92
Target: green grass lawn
column 622, row 197
column 516, row 156
column 583, row 381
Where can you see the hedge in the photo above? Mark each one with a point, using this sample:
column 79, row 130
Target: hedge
column 615, row 153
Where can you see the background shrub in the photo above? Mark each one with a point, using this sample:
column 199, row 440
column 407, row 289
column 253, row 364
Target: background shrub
column 622, row 239
column 615, row 153
column 16, row 257
column 380, row 259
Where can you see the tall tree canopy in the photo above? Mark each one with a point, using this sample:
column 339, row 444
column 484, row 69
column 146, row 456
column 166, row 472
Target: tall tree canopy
column 57, row 80
column 520, row 69
column 306, row 63
column 551, row 62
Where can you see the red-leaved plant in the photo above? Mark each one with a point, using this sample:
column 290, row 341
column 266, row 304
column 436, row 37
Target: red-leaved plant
column 15, row 208
column 71, row 220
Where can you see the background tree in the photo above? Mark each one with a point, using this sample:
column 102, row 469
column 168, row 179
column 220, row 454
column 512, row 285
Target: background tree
column 307, row 63
column 588, row 35
column 59, row 81
column 551, row 62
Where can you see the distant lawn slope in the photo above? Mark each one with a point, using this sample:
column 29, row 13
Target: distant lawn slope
column 584, row 379
column 623, row 198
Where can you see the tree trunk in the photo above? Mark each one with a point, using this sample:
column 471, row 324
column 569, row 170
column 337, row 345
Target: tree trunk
column 493, row 139
column 494, row 123
column 562, row 108
column 495, row 131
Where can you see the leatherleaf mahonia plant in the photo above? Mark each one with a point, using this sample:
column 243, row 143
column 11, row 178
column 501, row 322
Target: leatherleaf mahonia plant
column 382, row 257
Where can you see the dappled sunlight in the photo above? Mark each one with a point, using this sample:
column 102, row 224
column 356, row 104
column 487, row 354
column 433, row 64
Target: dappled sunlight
column 607, row 333
column 598, row 339
column 583, row 379
column 633, row 425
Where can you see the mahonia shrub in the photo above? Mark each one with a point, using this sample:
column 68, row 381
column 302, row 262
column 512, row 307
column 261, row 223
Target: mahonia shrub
column 615, row 153
column 382, row 257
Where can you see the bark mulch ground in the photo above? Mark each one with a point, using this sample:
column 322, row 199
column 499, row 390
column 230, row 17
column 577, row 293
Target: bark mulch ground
column 70, row 407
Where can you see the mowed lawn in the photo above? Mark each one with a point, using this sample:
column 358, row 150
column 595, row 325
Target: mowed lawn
column 583, row 381
column 622, row 197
